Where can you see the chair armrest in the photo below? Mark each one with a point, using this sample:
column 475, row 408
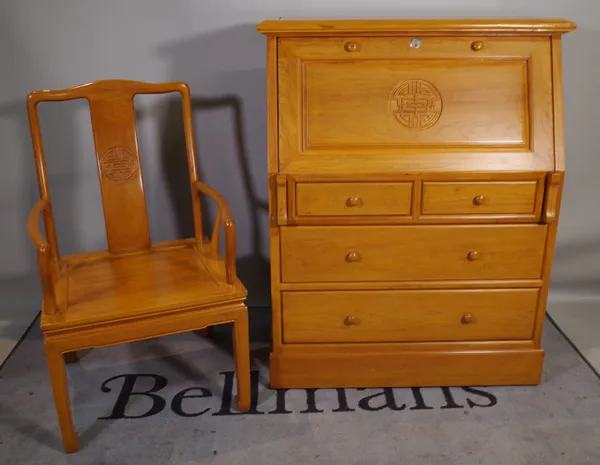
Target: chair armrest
column 43, row 255
column 224, row 216
column 33, row 225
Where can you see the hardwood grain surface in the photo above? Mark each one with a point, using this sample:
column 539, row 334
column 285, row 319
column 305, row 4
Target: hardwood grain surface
column 479, row 197
column 408, row 316
column 350, row 199
column 459, row 26
column 136, row 289
column 410, row 253
column 416, row 169
column 440, row 107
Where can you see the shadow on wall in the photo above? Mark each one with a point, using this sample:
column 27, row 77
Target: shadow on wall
column 575, row 270
column 20, row 173
column 574, row 256
column 19, row 285
column 230, row 63
column 20, row 294
column 253, row 267
column 226, row 73
column 62, row 142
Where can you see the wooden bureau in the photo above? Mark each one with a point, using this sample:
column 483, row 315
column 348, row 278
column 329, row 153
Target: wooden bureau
column 415, row 178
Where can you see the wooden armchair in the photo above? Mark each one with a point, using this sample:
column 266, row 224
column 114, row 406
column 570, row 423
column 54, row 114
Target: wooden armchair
column 136, row 289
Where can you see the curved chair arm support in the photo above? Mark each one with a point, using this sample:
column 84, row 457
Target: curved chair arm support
column 43, row 255
column 224, row 216
column 33, row 225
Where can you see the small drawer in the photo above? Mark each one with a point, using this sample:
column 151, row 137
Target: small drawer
column 482, row 198
column 353, row 199
column 411, row 253
column 408, row 316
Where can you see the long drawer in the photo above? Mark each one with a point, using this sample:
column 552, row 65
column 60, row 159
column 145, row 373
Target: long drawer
column 400, row 253
column 408, row 316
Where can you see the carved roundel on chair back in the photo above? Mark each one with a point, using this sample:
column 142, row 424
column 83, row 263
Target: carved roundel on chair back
column 416, row 103
column 118, row 165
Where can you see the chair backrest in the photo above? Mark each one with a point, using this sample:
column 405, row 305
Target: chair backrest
column 117, row 155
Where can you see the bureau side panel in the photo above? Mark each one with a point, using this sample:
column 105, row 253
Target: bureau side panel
column 273, row 168
column 557, row 94
column 552, row 208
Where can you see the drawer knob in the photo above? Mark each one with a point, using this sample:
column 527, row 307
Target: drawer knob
column 351, row 320
column 478, row 200
column 352, row 257
column 477, row 45
column 473, row 255
column 354, row 201
column 351, row 46
column 466, row 319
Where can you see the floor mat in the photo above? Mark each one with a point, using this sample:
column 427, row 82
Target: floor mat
column 578, row 318
column 171, row 401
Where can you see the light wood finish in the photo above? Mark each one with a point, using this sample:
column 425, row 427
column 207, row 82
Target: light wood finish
column 58, row 379
column 282, row 201
column 277, row 188
column 353, row 199
column 99, row 290
column 136, row 289
column 332, row 368
column 409, row 253
column 504, row 206
column 479, row 198
column 460, row 113
column 429, row 284
column 421, row 27
column 552, row 212
column 464, row 98
column 444, row 283
column 409, row 316
column 395, row 347
column 557, row 89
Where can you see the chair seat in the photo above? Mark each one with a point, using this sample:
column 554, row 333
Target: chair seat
column 112, row 287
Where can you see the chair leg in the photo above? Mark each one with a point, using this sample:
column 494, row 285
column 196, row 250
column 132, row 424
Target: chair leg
column 71, row 357
column 58, row 379
column 241, row 344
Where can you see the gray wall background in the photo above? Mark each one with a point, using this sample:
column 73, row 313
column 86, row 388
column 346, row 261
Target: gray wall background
column 213, row 45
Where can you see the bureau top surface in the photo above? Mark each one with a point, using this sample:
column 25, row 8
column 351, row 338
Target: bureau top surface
column 492, row 26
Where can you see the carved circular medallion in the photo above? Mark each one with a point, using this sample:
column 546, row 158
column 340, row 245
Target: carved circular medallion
column 119, row 165
column 416, row 103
